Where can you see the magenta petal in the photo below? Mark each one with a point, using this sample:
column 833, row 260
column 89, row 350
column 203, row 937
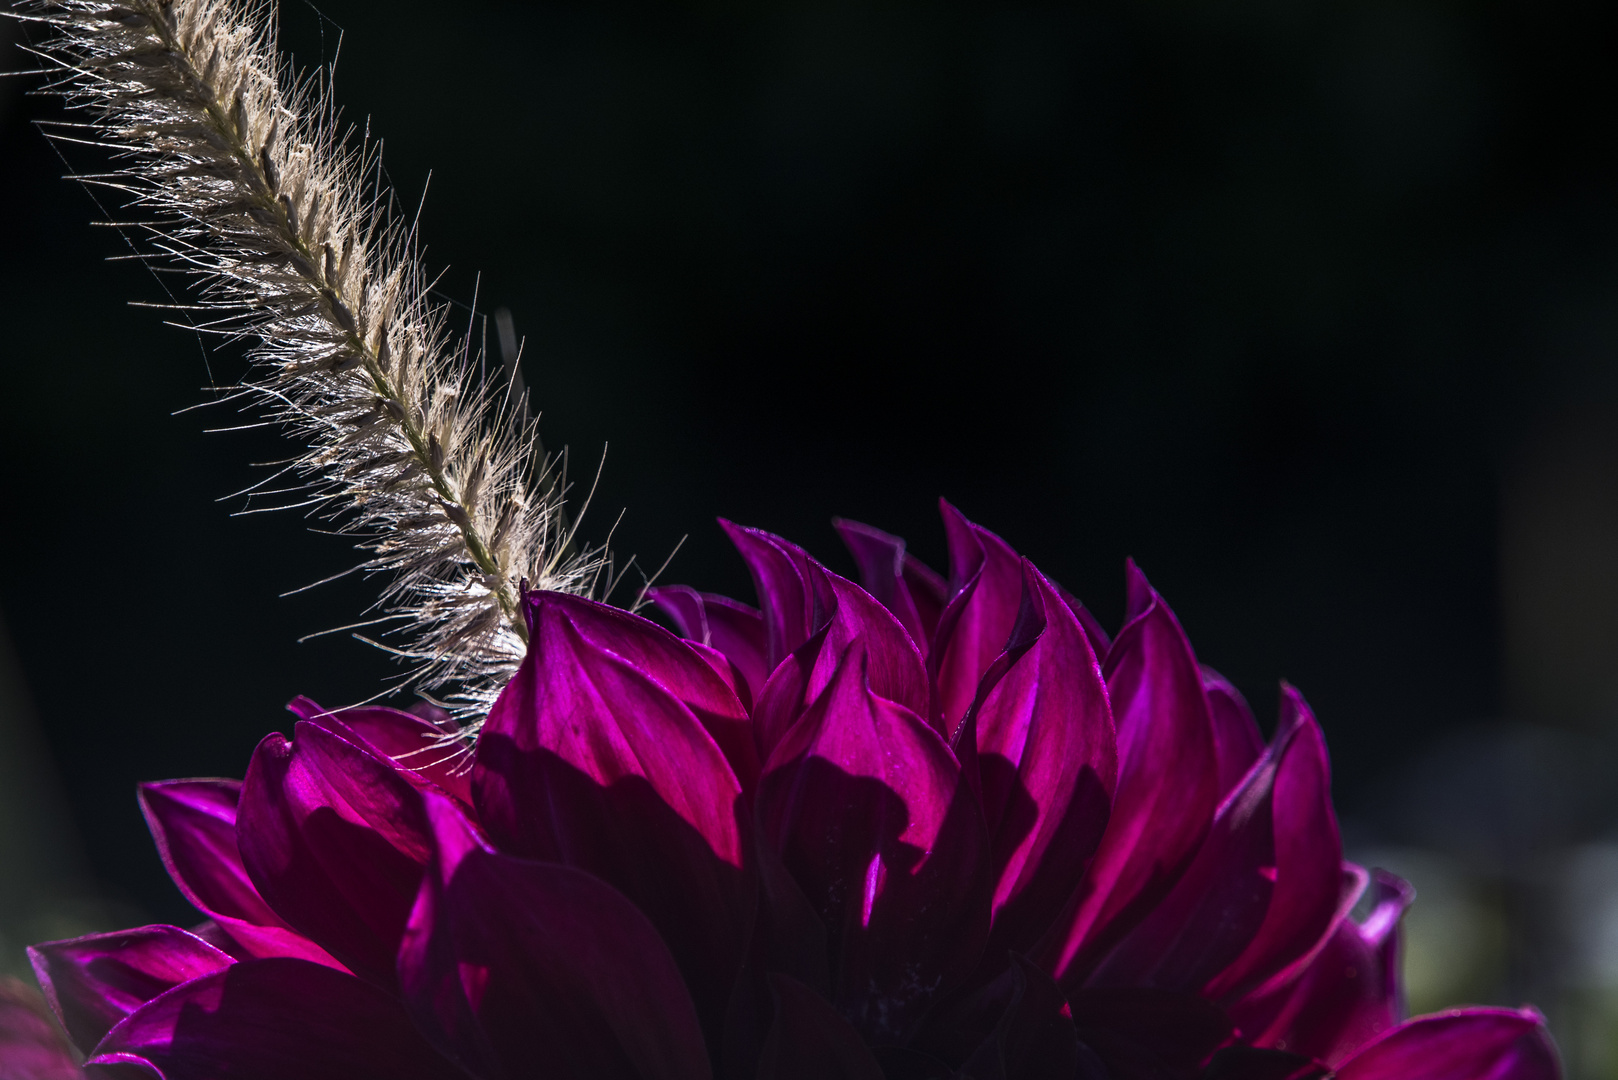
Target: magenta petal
column 1168, row 790
column 786, row 694
column 94, row 982
column 193, row 823
column 1237, row 740
column 335, row 839
column 588, row 761
column 416, row 745
column 1049, row 766
column 1138, row 592
column 893, row 663
column 881, row 559
column 673, row 665
column 985, row 578
column 869, row 812
column 894, row 666
column 732, row 676
column 827, row 605
column 1349, row 992
column 270, row 1020
column 793, row 594
column 1308, row 859
column 30, row 1046
column 1100, row 642
column 509, row 963
column 809, row 1040
column 721, row 623
column 1212, row 913
column 1466, row 1044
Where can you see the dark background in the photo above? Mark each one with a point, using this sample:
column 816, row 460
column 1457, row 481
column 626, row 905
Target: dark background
column 1267, row 295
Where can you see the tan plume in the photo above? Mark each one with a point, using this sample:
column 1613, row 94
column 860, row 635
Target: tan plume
column 240, row 174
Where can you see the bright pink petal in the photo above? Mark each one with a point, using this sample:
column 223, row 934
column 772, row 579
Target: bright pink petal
column 985, row 578
column 1237, row 740
column 335, row 839
column 1466, row 1044
column 94, row 982
column 1048, row 761
column 588, row 761
column 270, row 1020
column 809, row 1040
column 1308, row 859
column 193, row 823
column 511, row 963
column 419, row 747
column 1346, row 996
column 867, row 807
column 1168, row 790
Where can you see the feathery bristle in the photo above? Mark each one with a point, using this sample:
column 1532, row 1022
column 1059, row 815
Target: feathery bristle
column 244, row 180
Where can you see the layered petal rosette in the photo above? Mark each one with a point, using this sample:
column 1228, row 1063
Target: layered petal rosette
column 920, row 826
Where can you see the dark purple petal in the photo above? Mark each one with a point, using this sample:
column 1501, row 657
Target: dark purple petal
column 193, row 823
column 721, row 623
column 94, row 982
column 588, row 761
column 1252, row 1063
column 867, row 807
column 1168, row 790
column 419, row 747
column 270, row 1020
column 1237, row 740
column 30, row 1046
column 788, row 939
column 1346, row 996
column 809, row 1040
column 1466, row 1044
column 1035, row 1038
column 335, row 839
column 514, row 967
column 1049, row 767
column 985, row 579
column 1308, row 864
column 793, row 594
column 1149, row 1034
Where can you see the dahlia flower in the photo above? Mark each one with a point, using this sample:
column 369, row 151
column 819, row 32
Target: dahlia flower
column 915, row 827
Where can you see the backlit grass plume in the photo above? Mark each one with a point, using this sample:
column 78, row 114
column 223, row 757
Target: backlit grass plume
column 238, row 172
